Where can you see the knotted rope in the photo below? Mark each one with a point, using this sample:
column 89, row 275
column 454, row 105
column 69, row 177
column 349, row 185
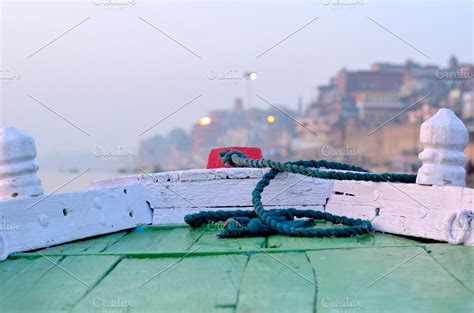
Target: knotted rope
column 261, row 222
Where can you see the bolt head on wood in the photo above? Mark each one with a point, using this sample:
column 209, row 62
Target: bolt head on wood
column 444, row 137
column 18, row 169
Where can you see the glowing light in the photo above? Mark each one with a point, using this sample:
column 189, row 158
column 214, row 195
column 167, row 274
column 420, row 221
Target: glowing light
column 253, row 76
column 271, row 119
column 204, row 121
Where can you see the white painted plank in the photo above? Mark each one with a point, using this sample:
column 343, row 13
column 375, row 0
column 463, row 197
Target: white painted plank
column 406, row 209
column 43, row 221
column 186, row 175
column 229, row 187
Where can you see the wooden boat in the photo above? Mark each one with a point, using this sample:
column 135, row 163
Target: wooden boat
column 121, row 246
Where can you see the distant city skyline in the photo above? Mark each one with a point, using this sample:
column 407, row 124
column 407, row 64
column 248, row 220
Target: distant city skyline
column 356, row 118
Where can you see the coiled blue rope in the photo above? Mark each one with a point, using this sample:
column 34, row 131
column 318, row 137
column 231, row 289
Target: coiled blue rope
column 261, row 222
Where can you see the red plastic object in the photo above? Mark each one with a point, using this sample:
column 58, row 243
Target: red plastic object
column 215, row 162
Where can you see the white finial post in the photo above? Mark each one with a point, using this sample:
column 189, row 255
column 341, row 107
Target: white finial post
column 17, row 167
column 444, row 137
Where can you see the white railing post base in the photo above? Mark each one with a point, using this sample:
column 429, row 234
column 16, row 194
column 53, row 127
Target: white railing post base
column 444, row 138
column 18, row 169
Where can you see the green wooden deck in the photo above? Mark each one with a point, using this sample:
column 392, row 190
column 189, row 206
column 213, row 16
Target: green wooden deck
column 179, row 269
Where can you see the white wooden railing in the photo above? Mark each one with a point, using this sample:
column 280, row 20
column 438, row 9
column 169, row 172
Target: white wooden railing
column 438, row 206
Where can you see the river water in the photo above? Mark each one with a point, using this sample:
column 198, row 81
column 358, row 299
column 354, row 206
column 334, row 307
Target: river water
column 67, row 181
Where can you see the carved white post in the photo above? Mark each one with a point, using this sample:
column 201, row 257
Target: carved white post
column 17, row 167
column 444, row 138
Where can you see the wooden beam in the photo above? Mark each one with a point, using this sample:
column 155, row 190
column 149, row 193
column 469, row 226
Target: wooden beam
column 404, row 209
column 43, row 221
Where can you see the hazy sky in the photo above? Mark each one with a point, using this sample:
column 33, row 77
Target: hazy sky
column 114, row 73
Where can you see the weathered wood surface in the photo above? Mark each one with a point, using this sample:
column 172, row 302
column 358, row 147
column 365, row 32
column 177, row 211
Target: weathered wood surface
column 165, row 240
column 278, row 283
column 43, row 286
column 405, row 209
column 38, row 222
column 404, row 279
column 285, row 243
column 457, row 261
column 176, row 240
column 179, row 269
column 224, row 188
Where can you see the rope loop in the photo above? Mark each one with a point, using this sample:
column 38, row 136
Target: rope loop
column 291, row 221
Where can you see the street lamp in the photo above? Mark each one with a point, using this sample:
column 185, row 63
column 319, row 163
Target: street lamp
column 271, row 119
column 204, row 121
column 251, row 76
